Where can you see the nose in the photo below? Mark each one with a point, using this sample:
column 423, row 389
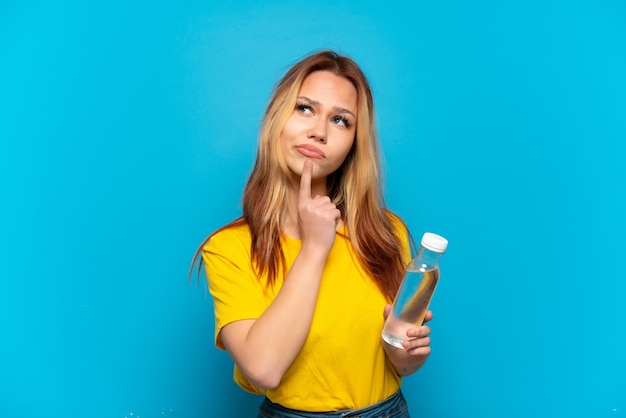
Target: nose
column 317, row 131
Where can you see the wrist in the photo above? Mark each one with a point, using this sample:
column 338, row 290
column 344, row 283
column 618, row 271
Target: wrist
column 314, row 252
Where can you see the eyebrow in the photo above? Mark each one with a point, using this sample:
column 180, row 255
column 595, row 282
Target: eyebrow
column 335, row 108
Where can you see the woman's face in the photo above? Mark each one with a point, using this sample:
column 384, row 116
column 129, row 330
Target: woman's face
column 322, row 126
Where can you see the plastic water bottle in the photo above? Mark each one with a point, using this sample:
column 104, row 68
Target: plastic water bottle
column 416, row 290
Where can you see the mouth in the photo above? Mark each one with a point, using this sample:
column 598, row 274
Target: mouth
column 310, row 151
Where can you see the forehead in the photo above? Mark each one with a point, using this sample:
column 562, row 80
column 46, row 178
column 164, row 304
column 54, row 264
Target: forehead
column 330, row 90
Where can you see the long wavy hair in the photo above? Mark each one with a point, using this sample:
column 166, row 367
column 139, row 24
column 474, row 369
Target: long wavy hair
column 355, row 188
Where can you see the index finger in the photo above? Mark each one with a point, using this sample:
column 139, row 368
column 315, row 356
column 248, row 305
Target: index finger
column 305, row 181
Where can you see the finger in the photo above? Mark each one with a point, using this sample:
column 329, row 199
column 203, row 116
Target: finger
column 386, row 311
column 428, row 316
column 419, row 351
column 422, row 331
column 413, row 343
column 305, row 181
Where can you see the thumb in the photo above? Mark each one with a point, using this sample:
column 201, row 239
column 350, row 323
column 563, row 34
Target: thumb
column 386, row 311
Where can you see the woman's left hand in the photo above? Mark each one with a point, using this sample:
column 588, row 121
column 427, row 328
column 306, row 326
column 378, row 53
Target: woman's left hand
column 416, row 347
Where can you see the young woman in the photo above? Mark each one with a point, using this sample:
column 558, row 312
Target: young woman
column 302, row 282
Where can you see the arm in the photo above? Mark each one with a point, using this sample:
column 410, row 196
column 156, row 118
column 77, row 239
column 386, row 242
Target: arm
column 409, row 359
column 265, row 347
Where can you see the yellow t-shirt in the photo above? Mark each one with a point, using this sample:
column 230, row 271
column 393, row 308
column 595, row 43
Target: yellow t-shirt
column 342, row 364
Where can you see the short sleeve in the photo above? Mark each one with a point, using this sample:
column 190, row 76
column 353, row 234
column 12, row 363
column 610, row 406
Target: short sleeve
column 402, row 232
column 237, row 292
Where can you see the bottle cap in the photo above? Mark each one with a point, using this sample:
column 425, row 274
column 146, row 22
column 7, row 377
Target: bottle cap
column 434, row 242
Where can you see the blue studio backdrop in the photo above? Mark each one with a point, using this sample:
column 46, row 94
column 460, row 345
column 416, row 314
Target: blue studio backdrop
column 128, row 130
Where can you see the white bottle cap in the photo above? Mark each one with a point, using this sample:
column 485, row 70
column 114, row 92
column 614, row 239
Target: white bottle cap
column 434, row 242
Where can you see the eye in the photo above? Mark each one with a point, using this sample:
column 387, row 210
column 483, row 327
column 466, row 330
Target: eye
column 304, row 108
column 341, row 121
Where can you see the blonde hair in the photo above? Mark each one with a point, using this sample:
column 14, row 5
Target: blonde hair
column 355, row 187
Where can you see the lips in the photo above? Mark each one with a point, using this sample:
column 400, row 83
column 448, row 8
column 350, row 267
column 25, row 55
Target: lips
column 310, row 151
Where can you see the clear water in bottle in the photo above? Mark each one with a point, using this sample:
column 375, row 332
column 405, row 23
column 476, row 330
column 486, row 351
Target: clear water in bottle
column 411, row 303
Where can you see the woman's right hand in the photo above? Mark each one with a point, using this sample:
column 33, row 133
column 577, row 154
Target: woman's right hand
column 317, row 216
column 264, row 348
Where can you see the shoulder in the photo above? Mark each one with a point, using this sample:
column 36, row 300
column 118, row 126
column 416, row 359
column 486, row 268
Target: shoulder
column 401, row 230
column 399, row 226
column 235, row 235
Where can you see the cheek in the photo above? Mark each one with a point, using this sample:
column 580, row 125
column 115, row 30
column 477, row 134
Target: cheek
column 286, row 134
column 342, row 152
column 290, row 128
column 286, row 142
column 348, row 144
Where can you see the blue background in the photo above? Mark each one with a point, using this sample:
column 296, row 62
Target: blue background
column 128, row 129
